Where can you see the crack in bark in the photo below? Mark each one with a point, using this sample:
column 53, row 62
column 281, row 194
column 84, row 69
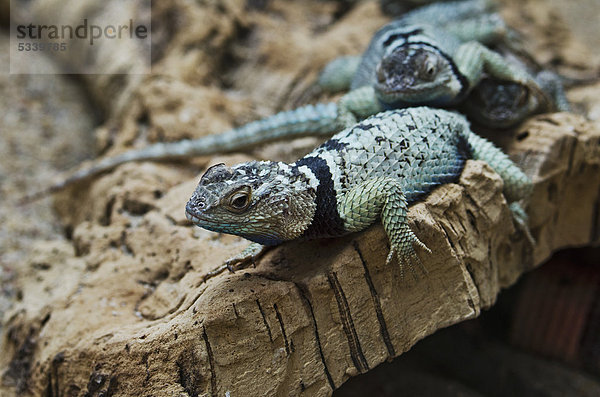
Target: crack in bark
column 472, row 276
column 595, row 231
column 448, row 238
column 280, row 320
column 472, row 220
column 308, row 304
column 52, row 388
column 147, row 367
column 571, row 156
column 189, row 377
column 262, row 313
column 356, row 353
column 377, row 304
column 271, row 277
column 211, row 363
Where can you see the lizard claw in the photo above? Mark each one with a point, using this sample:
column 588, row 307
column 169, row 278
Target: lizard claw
column 245, row 258
column 230, row 266
column 407, row 256
column 520, row 217
column 237, row 263
column 240, row 261
column 213, row 273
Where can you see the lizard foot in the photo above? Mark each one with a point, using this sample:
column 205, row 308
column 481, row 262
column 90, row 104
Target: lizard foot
column 405, row 251
column 238, row 262
column 520, row 217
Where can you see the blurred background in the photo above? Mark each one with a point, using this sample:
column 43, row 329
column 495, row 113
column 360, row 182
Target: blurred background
column 216, row 64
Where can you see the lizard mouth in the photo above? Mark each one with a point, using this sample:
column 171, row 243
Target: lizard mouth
column 194, row 215
column 194, row 219
column 388, row 89
column 390, row 94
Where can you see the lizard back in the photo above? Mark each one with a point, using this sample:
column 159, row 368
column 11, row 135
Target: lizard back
column 420, row 147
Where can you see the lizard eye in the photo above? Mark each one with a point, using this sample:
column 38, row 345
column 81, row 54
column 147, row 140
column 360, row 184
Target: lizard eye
column 239, row 200
column 430, row 69
column 523, row 97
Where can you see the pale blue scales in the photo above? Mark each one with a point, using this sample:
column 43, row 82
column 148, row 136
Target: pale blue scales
column 370, row 171
column 434, row 56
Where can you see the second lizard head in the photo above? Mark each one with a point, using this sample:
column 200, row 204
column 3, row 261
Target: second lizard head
column 499, row 103
column 417, row 74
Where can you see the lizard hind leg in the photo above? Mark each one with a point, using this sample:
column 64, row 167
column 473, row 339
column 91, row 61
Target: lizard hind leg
column 521, row 219
column 383, row 198
column 357, row 105
column 517, row 185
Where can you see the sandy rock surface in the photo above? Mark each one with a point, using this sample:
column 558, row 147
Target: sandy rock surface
column 115, row 302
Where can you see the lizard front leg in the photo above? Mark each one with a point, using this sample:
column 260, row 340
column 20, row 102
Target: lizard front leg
column 383, row 198
column 337, row 74
column 473, row 59
column 357, row 105
column 517, row 185
column 240, row 261
column 486, row 29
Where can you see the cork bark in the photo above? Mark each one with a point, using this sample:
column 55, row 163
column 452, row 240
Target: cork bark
column 130, row 312
column 121, row 306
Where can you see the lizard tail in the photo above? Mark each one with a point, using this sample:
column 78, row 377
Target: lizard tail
column 319, row 119
column 307, row 120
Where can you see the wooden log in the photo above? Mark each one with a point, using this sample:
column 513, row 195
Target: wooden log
column 122, row 309
column 132, row 314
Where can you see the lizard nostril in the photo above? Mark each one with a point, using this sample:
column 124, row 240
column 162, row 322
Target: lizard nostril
column 193, row 206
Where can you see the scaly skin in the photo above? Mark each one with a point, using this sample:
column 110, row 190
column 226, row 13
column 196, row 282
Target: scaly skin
column 373, row 170
column 505, row 104
column 432, row 55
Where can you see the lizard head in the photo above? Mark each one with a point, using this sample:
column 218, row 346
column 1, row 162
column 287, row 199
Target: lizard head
column 416, row 74
column 498, row 103
column 266, row 202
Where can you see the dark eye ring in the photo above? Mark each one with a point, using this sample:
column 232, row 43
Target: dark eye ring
column 239, row 201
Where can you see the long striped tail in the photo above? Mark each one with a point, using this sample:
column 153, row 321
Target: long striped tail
column 320, row 119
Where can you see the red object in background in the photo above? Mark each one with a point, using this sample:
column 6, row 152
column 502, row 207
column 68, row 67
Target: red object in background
column 558, row 310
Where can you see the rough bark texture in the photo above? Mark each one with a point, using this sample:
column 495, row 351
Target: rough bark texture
column 121, row 308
